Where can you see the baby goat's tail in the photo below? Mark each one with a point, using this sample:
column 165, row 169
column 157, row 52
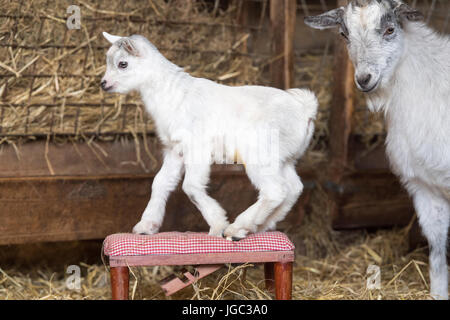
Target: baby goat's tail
column 308, row 101
column 309, row 104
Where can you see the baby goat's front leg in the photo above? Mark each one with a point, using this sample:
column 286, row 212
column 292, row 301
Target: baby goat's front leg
column 194, row 185
column 165, row 181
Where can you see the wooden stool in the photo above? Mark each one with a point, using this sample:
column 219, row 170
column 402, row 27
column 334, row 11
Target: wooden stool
column 209, row 253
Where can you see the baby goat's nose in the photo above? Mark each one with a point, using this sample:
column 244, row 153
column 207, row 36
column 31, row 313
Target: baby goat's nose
column 103, row 84
column 364, row 80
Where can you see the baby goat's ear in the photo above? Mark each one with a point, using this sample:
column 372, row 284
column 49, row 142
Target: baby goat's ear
column 329, row 19
column 110, row 37
column 404, row 11
column 129, row 46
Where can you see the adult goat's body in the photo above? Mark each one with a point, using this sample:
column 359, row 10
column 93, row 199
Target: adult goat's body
column 404, row 67
column 417, row 112
column 200, row 122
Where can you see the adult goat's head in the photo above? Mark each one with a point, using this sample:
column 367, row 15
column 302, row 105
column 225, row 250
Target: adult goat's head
column 374, row 33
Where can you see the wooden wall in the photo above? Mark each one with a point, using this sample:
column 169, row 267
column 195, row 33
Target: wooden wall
column 51, row 192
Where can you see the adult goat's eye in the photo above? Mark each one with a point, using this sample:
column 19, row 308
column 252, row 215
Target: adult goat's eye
column 389, row 31
column 123, row 64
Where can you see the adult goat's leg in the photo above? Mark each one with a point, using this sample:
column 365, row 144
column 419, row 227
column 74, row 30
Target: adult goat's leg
column 434, row 216
column 194, row 185
column 165, row 181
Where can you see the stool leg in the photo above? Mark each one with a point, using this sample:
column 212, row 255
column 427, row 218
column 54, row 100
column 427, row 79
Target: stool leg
column 119, row 283
column 283, row 280
column 269, row 276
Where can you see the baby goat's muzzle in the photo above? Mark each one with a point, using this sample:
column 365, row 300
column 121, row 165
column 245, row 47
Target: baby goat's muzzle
column 104, row 85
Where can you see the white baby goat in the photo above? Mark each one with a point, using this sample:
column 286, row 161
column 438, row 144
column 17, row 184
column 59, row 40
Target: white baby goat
column 404, row 67
column 200, row 122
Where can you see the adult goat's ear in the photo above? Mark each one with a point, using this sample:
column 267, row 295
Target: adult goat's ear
column 129, row 46
column 112, row 39
column 329, row 19
column 404, row 11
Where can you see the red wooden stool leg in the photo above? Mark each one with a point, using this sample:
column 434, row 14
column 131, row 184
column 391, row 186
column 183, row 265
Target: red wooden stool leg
column 283, row 280
column 269, row 276
column 120, row 277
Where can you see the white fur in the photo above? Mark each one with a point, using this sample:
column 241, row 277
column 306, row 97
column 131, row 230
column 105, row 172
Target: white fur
column 200, row 122
column 412, row 68
column 416, row 103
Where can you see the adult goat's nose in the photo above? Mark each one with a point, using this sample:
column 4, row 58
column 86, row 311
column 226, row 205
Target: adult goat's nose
column 103, row 84
column 364, row 80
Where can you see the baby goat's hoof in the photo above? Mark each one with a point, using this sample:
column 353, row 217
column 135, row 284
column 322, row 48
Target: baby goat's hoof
column 145, row 227
column 233, row 234
column 217, row 231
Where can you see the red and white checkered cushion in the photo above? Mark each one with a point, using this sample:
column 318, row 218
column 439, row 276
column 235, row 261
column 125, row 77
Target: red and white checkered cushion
column 127, row 244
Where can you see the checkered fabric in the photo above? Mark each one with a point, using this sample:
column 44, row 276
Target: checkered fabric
column 127, row 244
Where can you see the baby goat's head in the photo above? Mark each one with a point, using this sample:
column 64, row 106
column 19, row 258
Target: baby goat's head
column 126, row 63
column 374, row 33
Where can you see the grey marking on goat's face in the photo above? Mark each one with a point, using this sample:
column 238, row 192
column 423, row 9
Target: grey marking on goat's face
column 373, row 30
column 388, row 20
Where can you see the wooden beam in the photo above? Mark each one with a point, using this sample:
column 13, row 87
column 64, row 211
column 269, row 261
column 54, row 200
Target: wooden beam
column 340, row 119
column 282, row 21
column 341, row 108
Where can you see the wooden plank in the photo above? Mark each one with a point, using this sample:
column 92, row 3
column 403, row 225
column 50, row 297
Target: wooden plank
column 282, row 21
column 371, row 199
column 64, row 209
column 121, row 158
column 125, row 156
column 201, row 258
column 57, row 209
column 172, row 284
column 76, row 208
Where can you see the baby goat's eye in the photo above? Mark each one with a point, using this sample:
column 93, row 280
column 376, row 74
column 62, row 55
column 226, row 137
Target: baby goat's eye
column 123, row 64
column 389, row 31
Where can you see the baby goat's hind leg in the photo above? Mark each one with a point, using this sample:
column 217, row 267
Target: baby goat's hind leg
column 434, row 218
column 194, row 185
column 295, row 188
column 272, row 193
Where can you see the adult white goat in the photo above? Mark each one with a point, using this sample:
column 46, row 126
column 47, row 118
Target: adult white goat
column 404, row 68
column 200, row 122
